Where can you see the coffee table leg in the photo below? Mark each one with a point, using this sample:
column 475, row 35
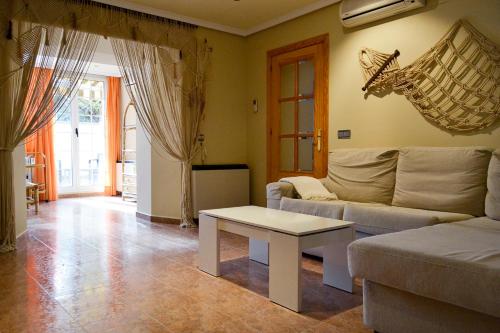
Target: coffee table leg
column 285, row 271
column 258, row 250
column 209, row 250
column 335, row 270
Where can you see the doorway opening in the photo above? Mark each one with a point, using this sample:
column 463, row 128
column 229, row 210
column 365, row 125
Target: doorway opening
column 85, row 130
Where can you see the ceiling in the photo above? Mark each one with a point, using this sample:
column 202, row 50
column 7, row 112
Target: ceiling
column 243, row 17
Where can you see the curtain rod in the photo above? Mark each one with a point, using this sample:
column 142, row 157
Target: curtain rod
column 133, row 13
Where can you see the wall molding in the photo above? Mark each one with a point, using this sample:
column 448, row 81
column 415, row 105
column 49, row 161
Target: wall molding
column 157, row 219
column 221, row 27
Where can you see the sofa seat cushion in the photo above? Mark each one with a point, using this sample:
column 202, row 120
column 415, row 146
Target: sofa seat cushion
column 493, row 197
column 442, row 179
column 363, row 175
column 330, row 209
column 385, row 219
column 456, row 263
column 483, row 222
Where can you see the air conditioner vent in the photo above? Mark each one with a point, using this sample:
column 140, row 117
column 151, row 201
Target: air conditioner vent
column 357, row 12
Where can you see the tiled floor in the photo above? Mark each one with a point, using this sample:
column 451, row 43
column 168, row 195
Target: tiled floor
column 87, row 265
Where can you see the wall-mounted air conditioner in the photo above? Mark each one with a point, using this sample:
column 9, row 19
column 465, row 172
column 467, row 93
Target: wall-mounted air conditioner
column 358, row 12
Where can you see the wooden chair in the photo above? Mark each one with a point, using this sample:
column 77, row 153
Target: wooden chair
column 32, row 195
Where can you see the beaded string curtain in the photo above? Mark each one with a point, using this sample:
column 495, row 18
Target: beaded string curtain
column 170, row 102
column 145, row 33
column 30, row 97
column 456, row 84
column 69, row 19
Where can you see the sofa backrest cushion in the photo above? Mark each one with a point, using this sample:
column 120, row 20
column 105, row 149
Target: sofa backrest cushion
column 442, row 179
column 493, row 197
column 363, row 175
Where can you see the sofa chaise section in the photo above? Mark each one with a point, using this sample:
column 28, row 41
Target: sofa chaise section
column 376, row 220
column 456, row 264
column 390, row 310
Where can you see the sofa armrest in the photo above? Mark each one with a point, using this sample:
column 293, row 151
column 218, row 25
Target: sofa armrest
column 275, row 191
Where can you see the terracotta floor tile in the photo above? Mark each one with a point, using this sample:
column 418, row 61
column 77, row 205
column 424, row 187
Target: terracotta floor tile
column 188, row 316
column 126, row 323
column 89, row 265
column 40, row 314
column 39, row 327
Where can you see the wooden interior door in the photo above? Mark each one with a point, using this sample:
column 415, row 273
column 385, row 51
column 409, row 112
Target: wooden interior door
column 298, row 109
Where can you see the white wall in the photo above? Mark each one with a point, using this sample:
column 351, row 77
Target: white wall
column 143, row 165
column 166, row 187
column 104, row 62
column 158, row 180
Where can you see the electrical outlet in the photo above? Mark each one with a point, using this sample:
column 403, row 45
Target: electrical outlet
column 344, row 134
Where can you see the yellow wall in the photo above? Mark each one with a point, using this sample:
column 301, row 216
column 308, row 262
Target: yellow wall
column 387, row 121
column 225, row 123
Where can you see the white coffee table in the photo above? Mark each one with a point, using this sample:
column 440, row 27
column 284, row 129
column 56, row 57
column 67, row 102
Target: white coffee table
column 288, row 234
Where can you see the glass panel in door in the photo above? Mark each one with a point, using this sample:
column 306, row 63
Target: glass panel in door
column 306, row 154
column 91, row 134
column 287, row 160
column 306, row 116
column 306, row 77
column 63, row 152
column 288, row 80
column 287, row 118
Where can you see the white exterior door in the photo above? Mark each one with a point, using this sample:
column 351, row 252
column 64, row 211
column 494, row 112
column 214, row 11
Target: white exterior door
column 80, row 140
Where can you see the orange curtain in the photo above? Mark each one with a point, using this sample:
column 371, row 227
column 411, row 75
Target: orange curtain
column 42, row 141
column 113, row 132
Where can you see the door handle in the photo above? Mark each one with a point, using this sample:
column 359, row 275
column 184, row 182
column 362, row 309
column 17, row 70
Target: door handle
column 76, row 131
column 318, row 138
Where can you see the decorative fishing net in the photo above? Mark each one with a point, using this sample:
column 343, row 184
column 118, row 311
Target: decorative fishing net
column 455, row 84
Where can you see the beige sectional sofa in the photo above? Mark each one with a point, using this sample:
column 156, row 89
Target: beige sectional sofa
column 385, row 190
column 442, row 279
column 434, row 265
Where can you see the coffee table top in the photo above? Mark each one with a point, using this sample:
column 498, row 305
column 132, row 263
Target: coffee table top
column 278, row 220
